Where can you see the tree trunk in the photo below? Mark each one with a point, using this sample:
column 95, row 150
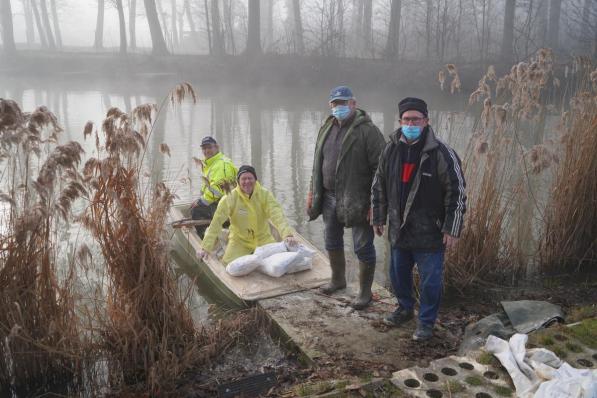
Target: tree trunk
column 555, row 8
column 508, row 37
column 367, row 38
column 46, row 20
column 174, row 27
column 207, row 28
column 341, row 35
column 394, row 30
column 122, row 25
column 40, row 27
column 216, row 29
column 228, row 13
column 132, row 24
column 164, row 25
column 8, row 38
column 268, row 39
column 428, row 27
column 157, row 39
column 56, row 22
column 542, row 11
column 299, row 44
column 29, row 27
column 458, row 26
column 99, row 26
column 253, row 36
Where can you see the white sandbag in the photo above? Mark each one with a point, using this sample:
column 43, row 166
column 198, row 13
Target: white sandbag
column 270, row 249
column 303, row 250
column 278, row 264
column 244, row 265
column 300, row 264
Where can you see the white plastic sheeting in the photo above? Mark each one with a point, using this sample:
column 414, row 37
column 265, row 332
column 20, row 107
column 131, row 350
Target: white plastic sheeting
column 539, row 373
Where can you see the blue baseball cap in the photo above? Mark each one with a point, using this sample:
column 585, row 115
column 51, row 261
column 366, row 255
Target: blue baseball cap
column 208, row 141
column 341, row 93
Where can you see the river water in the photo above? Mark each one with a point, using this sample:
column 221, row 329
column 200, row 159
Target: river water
column 274, row 129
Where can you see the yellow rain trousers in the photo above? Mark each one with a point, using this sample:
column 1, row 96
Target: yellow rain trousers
column 249, row 225
column 217, row 170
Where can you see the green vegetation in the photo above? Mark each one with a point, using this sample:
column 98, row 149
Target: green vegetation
column 474, row 381
column 573, row 347
column 546, row 340
column 579, row 313
column 503, row 391
column 487, row 358
column 454, row 386
column 307, row 389
column 586, row 332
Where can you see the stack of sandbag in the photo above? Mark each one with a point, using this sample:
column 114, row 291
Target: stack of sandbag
column 274, row 259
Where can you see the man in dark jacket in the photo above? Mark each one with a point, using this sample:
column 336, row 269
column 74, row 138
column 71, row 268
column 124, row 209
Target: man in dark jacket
column 419, row 186
column 346, row 155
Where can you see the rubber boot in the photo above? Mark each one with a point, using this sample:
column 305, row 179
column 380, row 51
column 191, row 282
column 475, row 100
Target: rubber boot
column 366, row 274
column 338, row 265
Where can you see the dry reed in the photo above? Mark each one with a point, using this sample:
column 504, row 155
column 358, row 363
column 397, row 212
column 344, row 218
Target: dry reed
column 569, row 241
column 40, row 343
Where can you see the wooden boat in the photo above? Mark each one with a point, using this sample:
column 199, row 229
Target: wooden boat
column 254, row 286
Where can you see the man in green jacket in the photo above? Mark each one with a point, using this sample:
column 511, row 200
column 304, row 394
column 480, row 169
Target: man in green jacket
column 219, row 173
column 346, row 155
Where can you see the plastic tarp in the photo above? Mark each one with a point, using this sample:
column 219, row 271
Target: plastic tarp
column 539, row 373
column 529, row 315
column 274, row 259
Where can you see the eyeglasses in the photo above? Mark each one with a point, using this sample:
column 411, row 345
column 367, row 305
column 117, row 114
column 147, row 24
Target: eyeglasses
column 413, row 120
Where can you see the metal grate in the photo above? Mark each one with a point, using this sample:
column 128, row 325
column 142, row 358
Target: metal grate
column 247, row 387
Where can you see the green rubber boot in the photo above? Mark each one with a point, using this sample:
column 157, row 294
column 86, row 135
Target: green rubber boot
column 366, row 274
column 338, row 265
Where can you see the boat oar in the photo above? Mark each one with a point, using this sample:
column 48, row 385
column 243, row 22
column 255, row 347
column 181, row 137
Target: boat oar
column 188, row 222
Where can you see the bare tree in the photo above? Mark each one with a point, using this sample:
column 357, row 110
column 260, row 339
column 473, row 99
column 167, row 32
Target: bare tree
column 216, row 29
column 508, row 36
column 46, row 20
column 157, row 39
column 268, row 22
column 367, row 33
column 8, row 38
column 99, row 25
column 229, row 25
column 207, row 27
column 122, row 25
column 40, row 27
column 555, row 9
column 56, row 23
column 253, row 34
column 174, row 27
column 133, row 23
column 299, row 44
column 428, row 27
column 29, row 24
column 394, row 30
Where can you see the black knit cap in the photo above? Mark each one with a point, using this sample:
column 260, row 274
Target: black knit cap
column 246, row 169
column 412, row 104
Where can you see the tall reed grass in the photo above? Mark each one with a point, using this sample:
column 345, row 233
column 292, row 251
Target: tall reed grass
column 569, row 241
column 40, row 340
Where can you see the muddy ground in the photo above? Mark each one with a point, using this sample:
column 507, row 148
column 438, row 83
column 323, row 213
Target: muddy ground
column 261, row 354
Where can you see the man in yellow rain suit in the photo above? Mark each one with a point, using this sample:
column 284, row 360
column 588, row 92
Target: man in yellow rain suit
column 249, row 207
column 218, row 171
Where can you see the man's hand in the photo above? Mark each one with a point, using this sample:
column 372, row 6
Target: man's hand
column 378, row 229
column 291, row 241
column 202, row 254
column 309, row 200
column 449, row 241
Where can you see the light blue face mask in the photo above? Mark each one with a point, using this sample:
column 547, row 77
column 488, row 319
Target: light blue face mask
column 411, row 132
column 341, row 112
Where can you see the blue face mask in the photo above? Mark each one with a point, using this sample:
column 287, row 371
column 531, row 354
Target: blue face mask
column 411, row 132
column 341, row 112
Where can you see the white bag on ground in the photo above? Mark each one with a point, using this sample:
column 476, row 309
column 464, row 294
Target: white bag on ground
column 300, row 264
column 244, row 265
column 539, row 373
column 270, row 249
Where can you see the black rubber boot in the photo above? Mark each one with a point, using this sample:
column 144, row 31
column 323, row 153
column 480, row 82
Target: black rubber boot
column 338, row 265
column 366, row 274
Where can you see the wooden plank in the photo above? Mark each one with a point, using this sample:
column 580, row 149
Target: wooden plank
column 256, row 285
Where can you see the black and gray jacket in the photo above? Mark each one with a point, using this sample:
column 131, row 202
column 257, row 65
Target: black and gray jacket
column 436, row 202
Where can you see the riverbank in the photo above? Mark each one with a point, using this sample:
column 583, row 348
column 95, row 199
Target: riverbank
column 267, row 69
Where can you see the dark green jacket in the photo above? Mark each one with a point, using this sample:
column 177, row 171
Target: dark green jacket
column 356, row 167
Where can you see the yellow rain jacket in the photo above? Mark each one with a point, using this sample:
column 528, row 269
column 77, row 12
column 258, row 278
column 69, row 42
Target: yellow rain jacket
column 249, row 225
column 216, row 170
